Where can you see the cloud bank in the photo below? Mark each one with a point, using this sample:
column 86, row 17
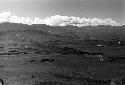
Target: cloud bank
column 56, row 20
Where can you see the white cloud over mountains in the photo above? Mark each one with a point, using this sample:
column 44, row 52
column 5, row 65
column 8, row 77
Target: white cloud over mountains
column 56, row 20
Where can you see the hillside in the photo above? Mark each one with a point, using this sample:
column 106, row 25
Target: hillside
column 45, row 55
column 101, row 32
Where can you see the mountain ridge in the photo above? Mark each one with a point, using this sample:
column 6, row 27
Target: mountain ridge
column 99, row 32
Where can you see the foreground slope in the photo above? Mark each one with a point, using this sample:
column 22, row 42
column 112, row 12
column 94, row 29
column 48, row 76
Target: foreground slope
column 44, row 55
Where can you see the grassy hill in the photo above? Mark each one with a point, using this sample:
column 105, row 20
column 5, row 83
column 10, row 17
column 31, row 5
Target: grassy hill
column 103, row 32
column 69, row 55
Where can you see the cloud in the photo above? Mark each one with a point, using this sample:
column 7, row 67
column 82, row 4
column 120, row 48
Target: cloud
column 56, row 20
column 4, row 17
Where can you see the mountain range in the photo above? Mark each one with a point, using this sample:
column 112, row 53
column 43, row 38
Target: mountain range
column 74, row 32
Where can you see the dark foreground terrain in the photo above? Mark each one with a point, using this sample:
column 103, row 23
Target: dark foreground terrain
column 23, row 64
column 34, row 57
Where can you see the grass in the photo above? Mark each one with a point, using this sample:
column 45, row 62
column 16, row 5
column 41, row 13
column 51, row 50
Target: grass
column 53, row 67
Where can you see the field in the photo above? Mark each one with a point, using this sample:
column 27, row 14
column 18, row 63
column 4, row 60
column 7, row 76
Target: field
column 31, row 63
column 35, row 57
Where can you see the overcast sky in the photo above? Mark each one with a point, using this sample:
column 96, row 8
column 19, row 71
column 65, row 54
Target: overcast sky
column 102, row 9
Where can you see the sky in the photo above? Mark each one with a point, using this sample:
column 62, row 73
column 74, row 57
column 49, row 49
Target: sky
column 100, row 9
